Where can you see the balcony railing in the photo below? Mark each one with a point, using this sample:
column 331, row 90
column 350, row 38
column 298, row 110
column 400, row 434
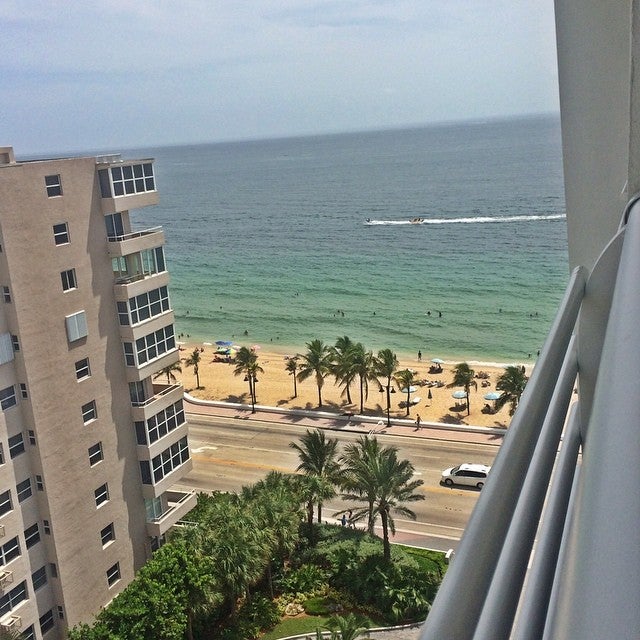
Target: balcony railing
column 179, row 504
column 134, row 234
column 159, row 391
column 550, row 550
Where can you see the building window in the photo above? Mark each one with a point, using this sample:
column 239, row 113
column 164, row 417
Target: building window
column 39, row 578
column 113, row 574
column 15, row 342
column 54, row 185
column 46, row 621
column 16, row 445
column 68, row 278
column 9, row 551
column 137, row 393
column 7, row 397
column 39, row 483
column 76, row 326
column 161, row 424
column 46, row 527
column 12, row 599
column 102, row 494
column 82, row 369
column 23, row 390
column 6, row 294
column 107, row 535
column 53, row 569
column 1, row 454
column 61, row 233
column 163, row 464
column 150, row 347
column 23, row 490
column 5, row 503
column 148, row 305
column 95, row 454
column 128, row 180
column 28, row 634
column 89, row 412
column 123, row 314
column 31, row 535
column 60, row 612
column 32, row 438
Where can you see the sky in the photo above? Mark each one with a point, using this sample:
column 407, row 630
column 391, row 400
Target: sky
column 79, row 75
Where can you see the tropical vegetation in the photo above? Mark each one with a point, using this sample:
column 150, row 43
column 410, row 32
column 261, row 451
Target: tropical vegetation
column 194, row 361
column 463, row 376
column 245, row 561
column 247, row 365
column 511, row 383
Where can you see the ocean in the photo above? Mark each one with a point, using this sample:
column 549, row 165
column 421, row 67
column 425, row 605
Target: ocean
column 267, row 241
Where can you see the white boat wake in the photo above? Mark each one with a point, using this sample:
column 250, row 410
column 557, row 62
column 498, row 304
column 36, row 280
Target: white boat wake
column 470, row 220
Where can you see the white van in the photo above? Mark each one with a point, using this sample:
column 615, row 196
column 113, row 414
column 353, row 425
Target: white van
column 471, row 475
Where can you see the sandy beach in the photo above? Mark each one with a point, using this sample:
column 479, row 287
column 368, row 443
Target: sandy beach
column 275, row 388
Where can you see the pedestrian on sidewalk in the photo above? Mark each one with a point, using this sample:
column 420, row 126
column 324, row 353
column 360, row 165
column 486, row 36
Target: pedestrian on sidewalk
column 418, row 421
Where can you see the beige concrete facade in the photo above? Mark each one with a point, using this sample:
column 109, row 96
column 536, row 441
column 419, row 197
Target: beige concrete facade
column 85, row 325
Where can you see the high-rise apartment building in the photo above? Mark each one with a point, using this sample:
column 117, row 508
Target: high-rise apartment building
column 92, row 438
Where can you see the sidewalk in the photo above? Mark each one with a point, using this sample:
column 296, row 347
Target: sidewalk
column 345, row 422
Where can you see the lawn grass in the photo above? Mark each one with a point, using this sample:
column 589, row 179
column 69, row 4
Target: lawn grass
column 295, row 626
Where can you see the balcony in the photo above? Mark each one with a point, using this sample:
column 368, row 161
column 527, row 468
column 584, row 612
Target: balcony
column 549, row 549
column 132, row 333
column 179, row 503
column 163, row 396
column 150, row 491
column 147, row 452
column 135, row 242
column 137, row 374
column 130, row 286
column 126, row 185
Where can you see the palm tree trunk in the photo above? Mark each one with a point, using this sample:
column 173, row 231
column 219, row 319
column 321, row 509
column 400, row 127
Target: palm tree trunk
column 371, row 520
column 361, row 395
column 408, row 401
column 388, row 402
column 468, row 403
column 320, row 512
column 385, row 536
column 319, row 382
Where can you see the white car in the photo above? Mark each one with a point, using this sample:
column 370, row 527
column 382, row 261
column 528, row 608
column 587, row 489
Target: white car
column 471, row 475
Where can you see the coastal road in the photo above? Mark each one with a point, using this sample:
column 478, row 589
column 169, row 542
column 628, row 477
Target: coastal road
column 229, row 453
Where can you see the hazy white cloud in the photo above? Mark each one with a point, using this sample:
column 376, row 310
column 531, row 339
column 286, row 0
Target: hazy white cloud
column 81, row 75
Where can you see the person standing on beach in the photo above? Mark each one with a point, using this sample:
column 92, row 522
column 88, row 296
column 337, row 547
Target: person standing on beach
column 418, row 421
column 419, row 356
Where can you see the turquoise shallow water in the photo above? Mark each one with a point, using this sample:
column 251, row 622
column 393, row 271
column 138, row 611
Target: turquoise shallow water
column 269, row 237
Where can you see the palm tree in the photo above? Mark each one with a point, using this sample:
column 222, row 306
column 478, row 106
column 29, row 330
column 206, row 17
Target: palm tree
column 292, row 369
column 247, row 364
column 363, row 364
column 347, row 627
column 512, row 383
column 319, row 458
column 387, row 482
column 316, row 361
column 194, row 361
column 405, row 380
column 385, row 366
column 168, row 371
column 357, row 478
column 342, row 366
column 463, row 376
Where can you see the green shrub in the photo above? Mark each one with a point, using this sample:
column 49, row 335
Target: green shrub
column 308, row 578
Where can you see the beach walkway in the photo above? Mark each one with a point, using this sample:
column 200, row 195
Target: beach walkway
column 346, row 422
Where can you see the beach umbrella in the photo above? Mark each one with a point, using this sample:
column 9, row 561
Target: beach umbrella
column 207, row 344
column 459, row 395
column 409, row 390
column 437, row 361
column 430, row 395
column 223, row 343
column 492, row 395
column 255, row 347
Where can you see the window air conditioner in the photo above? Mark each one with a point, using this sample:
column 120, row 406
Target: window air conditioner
column 5, row 577
column 12, row 622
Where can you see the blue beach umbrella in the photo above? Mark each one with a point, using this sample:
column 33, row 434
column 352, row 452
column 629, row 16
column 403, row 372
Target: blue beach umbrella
column 437, row 361
column 223, row 343
column 459, row 395
column 492, row 395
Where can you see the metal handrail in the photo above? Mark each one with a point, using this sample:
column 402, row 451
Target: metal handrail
column 134, row 234
column 466, row 584
column 545, row 554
